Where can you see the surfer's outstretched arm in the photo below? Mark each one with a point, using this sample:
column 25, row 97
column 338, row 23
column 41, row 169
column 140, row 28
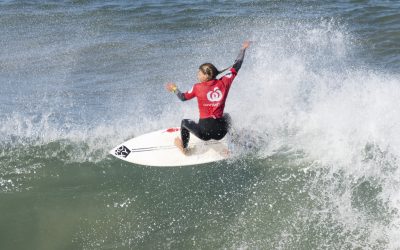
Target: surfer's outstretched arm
column 239, row 60
column 180, row 95
column 171, row 87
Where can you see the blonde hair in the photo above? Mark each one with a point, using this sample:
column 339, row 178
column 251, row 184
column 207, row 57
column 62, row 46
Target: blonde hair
column 210, row 70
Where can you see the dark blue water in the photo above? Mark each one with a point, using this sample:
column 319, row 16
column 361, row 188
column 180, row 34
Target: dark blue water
column 317, row 94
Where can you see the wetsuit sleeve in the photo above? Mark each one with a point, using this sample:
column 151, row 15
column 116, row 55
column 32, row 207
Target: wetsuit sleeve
column 239, row 60
column 180, row 95
column 190, row 94
column 185, row 96
column 228, row 78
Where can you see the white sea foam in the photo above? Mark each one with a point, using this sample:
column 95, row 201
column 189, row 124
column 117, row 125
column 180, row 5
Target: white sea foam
column 304, row 94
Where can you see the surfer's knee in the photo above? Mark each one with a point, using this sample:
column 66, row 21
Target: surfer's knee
column 184, row 122
column 187, row 123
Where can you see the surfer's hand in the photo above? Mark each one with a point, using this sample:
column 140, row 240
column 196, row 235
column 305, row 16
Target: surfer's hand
column 246, row 44
column 171, row 87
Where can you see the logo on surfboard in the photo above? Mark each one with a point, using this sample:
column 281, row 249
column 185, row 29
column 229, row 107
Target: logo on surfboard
column 122, row 151
column 214, row 95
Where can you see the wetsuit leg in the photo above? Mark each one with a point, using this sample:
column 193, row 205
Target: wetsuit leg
column 187, row 126
column 221, row 129
column 214, row 128
column 206, row 129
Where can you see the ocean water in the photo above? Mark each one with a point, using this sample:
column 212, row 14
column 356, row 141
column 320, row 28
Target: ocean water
column 317, row 96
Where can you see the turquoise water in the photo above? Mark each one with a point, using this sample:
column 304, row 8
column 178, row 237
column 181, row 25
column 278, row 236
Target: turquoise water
column 317, row 97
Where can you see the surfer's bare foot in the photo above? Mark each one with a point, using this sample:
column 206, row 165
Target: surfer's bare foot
column 225, row 153
column 178, row 144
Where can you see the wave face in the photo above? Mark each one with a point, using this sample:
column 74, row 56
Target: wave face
column 316, row 98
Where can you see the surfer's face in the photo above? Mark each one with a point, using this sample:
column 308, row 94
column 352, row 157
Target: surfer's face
column 201, row 76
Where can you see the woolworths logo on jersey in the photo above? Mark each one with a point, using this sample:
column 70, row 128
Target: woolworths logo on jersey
column 214, row 95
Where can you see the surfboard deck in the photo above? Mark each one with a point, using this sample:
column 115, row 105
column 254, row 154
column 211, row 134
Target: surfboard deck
column 158, row 149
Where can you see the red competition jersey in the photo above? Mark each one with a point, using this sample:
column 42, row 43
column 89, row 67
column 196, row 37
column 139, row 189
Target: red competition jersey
column 211, row 95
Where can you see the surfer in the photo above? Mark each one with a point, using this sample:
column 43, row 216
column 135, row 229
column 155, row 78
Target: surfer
column 211, row 96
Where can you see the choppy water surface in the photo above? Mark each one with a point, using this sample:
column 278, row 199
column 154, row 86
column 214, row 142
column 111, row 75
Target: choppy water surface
column 318, row 94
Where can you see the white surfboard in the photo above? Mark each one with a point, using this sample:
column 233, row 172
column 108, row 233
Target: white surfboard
column 158, row 149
